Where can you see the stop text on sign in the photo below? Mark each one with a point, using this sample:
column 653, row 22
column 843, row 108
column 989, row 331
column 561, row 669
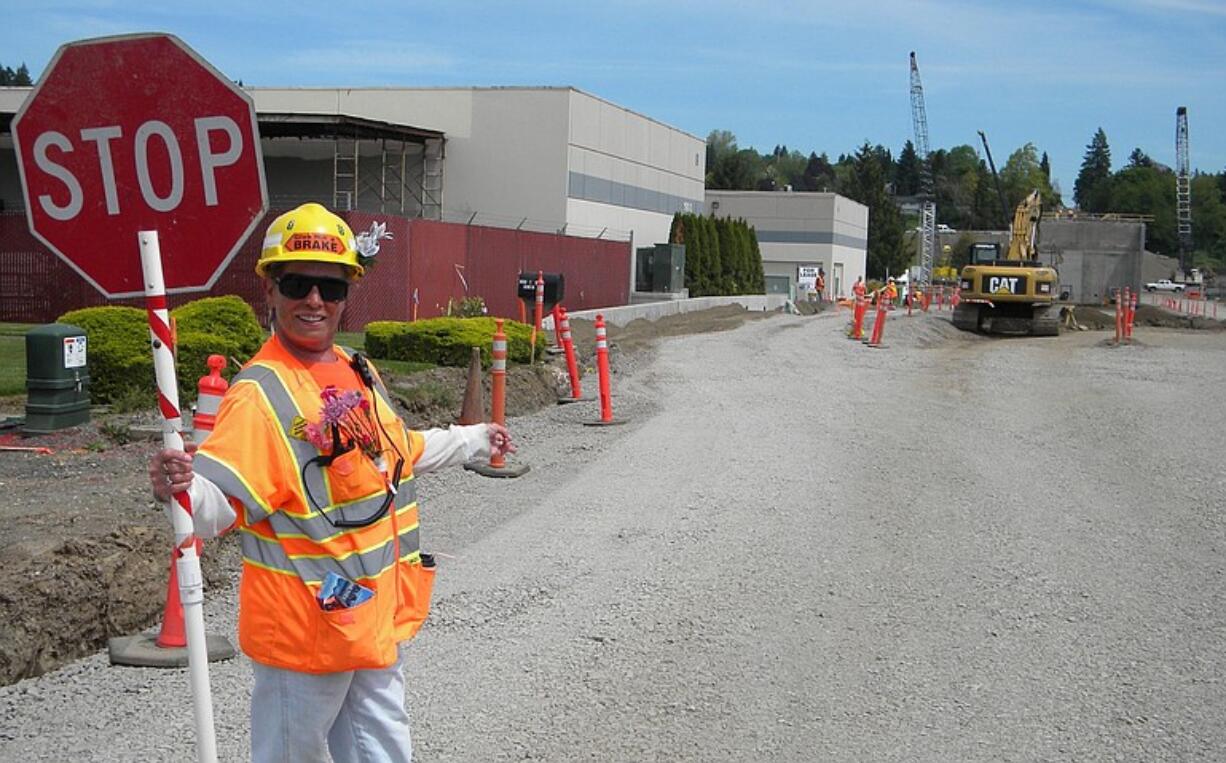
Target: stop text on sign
column 156, row 160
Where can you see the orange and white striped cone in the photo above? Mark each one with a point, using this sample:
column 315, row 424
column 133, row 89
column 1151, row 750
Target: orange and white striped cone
column 211, row 388
column 537, row 311
column 1119, row 318
column 497, row 466
column 1132, row 313
column 602, row 367
column 572, row 364
column 557, row 348
column 878, row 327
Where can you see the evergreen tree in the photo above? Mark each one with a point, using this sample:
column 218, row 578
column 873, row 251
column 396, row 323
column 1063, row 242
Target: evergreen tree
column 1022, row 174
column 1091, row 191
column 1045, row 165
column 728, row 257
column 713, row 257
column 818, row 174
column 907, row 171
column 1139, row 158
column 759, row 275
column 986, row 213
column 1149, row 191
column 867, row 185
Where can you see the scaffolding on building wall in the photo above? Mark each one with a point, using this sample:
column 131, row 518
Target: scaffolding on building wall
column 376, row 166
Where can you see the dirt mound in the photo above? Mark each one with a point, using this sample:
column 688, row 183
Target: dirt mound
column 1146, row 315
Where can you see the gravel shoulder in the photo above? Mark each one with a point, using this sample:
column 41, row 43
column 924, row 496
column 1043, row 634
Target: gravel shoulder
column 799, row 548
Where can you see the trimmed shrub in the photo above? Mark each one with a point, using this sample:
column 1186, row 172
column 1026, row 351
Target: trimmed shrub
column 228, row 317
column 449, row 341
column 117, row 349
column 121, row 361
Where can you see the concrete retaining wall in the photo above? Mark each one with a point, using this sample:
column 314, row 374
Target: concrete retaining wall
column 620, row 316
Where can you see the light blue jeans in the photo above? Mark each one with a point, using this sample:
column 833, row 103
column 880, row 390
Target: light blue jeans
column 358, row 716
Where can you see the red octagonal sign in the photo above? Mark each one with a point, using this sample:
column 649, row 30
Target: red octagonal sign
column 136, row 133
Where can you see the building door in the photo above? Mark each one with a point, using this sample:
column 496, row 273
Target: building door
column 838, row 281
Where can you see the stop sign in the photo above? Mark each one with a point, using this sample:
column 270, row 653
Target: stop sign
column 139, row 133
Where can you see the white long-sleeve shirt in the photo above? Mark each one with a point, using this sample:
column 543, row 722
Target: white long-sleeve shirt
column 212, row 513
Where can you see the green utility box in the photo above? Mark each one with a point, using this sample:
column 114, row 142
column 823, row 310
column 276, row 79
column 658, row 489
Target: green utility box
column 57, row 378
column 660, row 268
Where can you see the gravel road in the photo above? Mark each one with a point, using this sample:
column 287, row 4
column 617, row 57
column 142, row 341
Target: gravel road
column 797, row 549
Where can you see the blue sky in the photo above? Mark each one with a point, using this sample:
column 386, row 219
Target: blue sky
column 811, row 75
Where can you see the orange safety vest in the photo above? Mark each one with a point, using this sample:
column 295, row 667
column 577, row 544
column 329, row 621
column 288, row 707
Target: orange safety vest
column 858, row 289
column 288, row 545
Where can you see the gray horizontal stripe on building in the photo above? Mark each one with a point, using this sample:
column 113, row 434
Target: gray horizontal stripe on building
column 319, row 529
column 590, row 188
column 810, row 237
column 369, row 564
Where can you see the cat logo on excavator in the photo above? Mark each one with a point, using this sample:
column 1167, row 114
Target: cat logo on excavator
column 1002, row 285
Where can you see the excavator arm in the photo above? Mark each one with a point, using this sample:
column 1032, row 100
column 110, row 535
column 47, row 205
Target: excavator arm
column 1023, row 239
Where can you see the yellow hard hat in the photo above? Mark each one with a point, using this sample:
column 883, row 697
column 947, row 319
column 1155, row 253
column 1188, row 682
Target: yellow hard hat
column 310, row 233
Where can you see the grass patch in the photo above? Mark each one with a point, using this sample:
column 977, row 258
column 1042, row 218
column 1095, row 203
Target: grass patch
column 12, row 362
column 355, row 340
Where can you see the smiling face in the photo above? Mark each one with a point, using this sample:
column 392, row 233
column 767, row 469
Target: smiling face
column 306, row 326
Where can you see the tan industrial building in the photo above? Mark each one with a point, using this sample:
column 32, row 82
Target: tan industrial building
column 800, row 232
column 546, row 159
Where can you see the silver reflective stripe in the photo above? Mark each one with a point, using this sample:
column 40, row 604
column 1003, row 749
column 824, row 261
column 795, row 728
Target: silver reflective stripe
column 316, row 527
column 285, row 409
column 208, row 404
column 312, row 569
column 602, row 344
column 231, row 483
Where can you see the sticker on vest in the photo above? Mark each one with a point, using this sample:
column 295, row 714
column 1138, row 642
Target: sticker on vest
column 341, row 593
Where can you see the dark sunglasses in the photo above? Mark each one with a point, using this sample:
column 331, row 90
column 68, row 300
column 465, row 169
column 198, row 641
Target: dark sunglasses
column 296, row 286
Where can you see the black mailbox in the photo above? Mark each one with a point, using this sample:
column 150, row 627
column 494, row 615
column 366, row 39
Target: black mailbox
column 554, row 288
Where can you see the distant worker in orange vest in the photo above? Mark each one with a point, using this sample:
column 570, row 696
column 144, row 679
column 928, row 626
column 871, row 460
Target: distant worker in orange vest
column 821, row 286
column 310, row 462
column 891, row 292
column 858, row 288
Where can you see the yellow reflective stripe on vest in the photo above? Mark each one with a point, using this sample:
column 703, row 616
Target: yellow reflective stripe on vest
column 357, row 565
column 231, row 482
column 317, row 528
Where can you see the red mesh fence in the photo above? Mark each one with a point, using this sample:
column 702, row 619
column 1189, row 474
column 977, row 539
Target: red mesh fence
column 441, row 261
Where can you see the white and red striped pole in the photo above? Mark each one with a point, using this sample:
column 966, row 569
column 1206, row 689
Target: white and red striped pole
column 187, row 565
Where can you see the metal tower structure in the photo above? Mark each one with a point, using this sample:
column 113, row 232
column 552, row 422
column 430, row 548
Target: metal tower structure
column 1183, row 188
column 928, row 212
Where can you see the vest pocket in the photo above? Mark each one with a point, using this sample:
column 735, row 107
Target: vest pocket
column 416, row 586
column 354, row 638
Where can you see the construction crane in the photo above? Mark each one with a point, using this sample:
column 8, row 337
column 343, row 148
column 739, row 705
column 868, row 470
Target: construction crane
column 1183, row 189
column 928, row 209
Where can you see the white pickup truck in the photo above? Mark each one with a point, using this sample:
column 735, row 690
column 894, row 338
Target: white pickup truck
column 1164, row 284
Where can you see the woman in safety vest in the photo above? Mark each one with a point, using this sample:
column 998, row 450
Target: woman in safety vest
column 309, row 461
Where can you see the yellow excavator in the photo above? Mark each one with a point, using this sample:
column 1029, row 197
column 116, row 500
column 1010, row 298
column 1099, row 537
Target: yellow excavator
column 1013, row 294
